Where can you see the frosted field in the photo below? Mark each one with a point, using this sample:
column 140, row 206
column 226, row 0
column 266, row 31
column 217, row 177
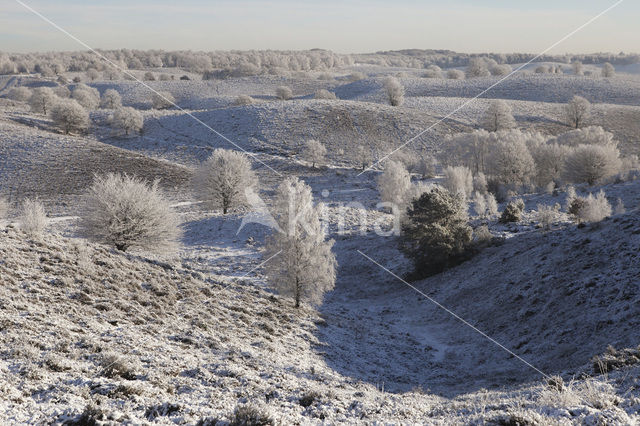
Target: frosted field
column 89, row 333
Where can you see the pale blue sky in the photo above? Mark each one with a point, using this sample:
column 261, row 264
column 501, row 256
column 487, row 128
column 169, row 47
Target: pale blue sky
column 347, row 26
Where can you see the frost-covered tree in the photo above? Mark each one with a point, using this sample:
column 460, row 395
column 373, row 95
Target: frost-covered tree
column 549, row 159
column 500, row 70
column 222, row 179
column 127, row 120
column 21, row 94
column 69, row 115
column 361, row 155
column 111, row 99
column 394, row 90
column 284, row 93
column 314, row 152
column 498, row 116
column 324, row 94
column 394, row 183
column 300, row 262
column 42, row 99
column 149, row 76
column 436, row 233
column 592, row 135
column 578, row 68
column 608, row 70
column 127, row 212
column 468, row 149
column 33, row 218
column 591, row 163
column 454, row 74
column 90, row 99
column 93, row 74
column 244, row 100
column 162, row 100
column 477, row 68
column 577, row 111
column 458, row 180
column 426, row 167
column 510, row 161
column 432, row 71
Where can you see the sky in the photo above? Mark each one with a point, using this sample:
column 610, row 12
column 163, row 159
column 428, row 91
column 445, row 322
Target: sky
column 345, row 26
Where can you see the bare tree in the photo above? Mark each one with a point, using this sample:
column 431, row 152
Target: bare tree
column 577, row 111
column 221, row 180
column 69, row 115
column 127, row 120
column 42, row 99
column 127, row 212
column 111, row 99
column 498, row 116
column 394, row 90
column 314, row 152
column 299, row 263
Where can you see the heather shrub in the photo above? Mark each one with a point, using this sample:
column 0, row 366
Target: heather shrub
column 436, row 233
column 127, row 212
column 513, row 211
column 248, row 415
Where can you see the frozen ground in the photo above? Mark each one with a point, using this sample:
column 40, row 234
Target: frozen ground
column 195, row 337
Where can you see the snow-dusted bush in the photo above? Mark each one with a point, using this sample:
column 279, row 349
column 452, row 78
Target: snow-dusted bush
column 394, row 90
column 325, row 76
column 492, row 205
column 111, row 74
column 458, row 180
column 87, row 98
column 42, row 99
column 619, row 209
column 284, row 93
column 501, row 70
column 314, row 152
column 477, row 68
column 591, row 209
column 165, row 77
column 300, row 262
column 542, row 69
column 498, row 116
column 222, row 180
column 33, row 219
column 394, row 183
column 324, row 94
column 454, row 74
column 479, row 204
column 436, row 233
column 549, row 161
column 592, row 135
column 111, row 99
column 21, row 94
column 468, row 149
column 432, row 71
column 608, row 70
column 163, row 100
column 62, row 92
column 577, row 111
column 69, row 115
column 149, row 76
column 591, row 163
column 356, row 76
column 127, row 212
column 547, row 215
column 93, row 74
column 244, row 100
column 482, row 236
column 510, row 162
column 513, row 211
column 246, row 414
column 127, row 120
column 480, row 183
column 578, row 68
